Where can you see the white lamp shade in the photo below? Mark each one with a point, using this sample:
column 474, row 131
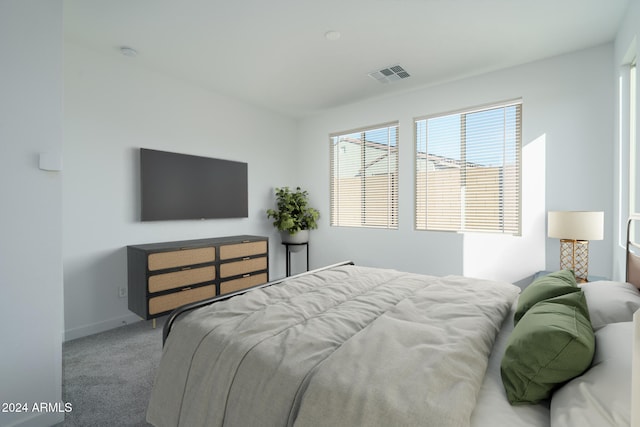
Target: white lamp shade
column 576, row 225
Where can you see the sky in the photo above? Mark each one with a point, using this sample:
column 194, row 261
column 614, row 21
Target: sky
column 490, row 136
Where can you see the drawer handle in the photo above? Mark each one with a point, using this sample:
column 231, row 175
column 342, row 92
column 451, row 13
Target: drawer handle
column 186, row 268
column 246, row 258
column 186, row 289
column 246, row 275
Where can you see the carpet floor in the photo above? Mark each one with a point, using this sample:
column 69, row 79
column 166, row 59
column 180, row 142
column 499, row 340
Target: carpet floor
column 107, row 377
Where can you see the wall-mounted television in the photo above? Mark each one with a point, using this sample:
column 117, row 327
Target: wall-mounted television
column 181, row 186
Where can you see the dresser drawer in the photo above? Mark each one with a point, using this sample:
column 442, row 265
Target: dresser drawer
column 163, row 276
column 239, row 250
column 237, row 268
column 242, row 283
column 162, row 260
column 182, row 278
column 170, row 301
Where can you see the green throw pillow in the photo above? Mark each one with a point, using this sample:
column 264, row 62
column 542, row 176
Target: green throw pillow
column 552, row 285
column 553, row 343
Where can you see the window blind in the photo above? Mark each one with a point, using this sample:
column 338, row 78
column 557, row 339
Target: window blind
column 364, row 177
column 468, row 170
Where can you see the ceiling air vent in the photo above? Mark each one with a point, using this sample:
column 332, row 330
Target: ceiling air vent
column 389, row 74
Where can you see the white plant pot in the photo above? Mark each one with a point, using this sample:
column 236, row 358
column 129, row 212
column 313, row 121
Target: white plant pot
column 300, row 237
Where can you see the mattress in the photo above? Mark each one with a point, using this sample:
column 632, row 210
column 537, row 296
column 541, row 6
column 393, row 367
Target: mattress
column 493, row 408
column 344, row 347
column 358, row 346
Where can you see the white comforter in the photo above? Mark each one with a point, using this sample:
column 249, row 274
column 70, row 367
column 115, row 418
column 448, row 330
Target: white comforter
column 351, row 346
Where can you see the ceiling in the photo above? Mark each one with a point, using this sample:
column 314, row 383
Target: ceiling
column 274, row 54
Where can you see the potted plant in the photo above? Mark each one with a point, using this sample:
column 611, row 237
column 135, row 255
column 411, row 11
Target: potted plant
column 293, row 216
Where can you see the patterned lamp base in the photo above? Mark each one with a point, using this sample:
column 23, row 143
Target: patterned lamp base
column 574, row 255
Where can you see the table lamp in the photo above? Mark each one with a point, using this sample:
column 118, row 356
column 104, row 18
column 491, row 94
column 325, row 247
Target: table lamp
column 575, row 229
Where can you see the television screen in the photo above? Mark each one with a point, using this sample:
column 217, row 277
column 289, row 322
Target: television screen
column 181, row 186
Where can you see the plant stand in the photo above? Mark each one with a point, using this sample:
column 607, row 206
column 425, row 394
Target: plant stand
column 295, row 247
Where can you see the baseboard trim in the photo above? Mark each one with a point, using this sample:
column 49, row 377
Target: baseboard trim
column 95, row 328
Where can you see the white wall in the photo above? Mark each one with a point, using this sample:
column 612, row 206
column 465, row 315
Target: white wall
column 626, row 49
column 567, row 129
column 31, row 310
column 113, row 106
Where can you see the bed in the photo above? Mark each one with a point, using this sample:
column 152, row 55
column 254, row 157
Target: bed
column 351, row 345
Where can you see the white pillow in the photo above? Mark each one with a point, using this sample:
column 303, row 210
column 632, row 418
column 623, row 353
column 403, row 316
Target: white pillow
column 611, row 302
column 602, row 395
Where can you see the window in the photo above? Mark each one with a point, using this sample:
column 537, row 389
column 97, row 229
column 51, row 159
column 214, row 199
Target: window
column 633, row 152
column 468, row 170
column 364, row 177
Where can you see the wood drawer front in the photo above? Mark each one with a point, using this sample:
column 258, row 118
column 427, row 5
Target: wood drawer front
column 243, row 282
column 240, row 250
column 162, row 260
column 178, row 279
column 236, row 268
column 170, row 301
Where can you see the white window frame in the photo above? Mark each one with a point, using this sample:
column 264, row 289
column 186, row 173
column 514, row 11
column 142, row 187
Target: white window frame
column 364, row 177
column 633, row 153
column 442, row 200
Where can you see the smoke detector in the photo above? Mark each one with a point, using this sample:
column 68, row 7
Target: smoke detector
column 128, row 51
column 332, row 35
column 390, row 74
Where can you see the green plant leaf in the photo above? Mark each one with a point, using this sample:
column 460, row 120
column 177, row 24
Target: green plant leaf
column 293, row 212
